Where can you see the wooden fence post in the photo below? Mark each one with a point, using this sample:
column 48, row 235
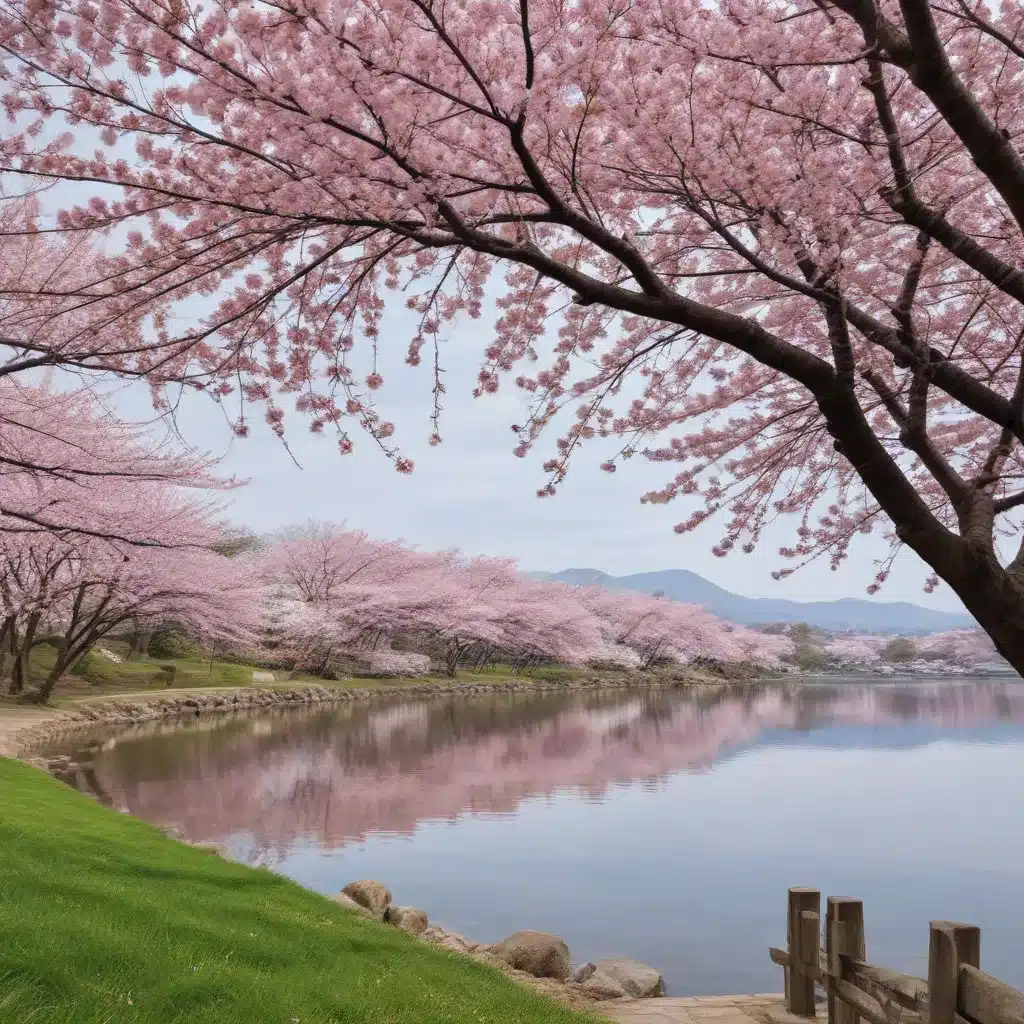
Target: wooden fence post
column 950, row 944
column 799, row 986
column 844, row 933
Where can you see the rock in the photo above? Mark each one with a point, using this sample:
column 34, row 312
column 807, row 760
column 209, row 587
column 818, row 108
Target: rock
column 538, row 953
column 637, row 980
column 602, row 986
column 453, row 940
column 350, row 904
column 209, row 848
column 369, row 894
column 259, row 676
column 409, row 919
column 584, row 972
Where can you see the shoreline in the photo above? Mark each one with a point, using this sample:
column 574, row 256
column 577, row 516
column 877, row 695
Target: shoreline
column 26, row 732
column 24, row 729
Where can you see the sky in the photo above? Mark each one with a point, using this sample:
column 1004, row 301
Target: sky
column 472, row 493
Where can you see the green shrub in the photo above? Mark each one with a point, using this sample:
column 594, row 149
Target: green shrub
column 170, row 643
column 96, row 668
column 810, row 658
column 899, row 649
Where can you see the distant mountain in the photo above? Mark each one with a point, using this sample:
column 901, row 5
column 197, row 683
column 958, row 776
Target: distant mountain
column 846, row 613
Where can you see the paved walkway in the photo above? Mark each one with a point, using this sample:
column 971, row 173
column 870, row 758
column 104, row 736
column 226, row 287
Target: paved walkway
column 759, row 1009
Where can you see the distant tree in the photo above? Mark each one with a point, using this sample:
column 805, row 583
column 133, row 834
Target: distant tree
column 810, row 658
column 899, row 650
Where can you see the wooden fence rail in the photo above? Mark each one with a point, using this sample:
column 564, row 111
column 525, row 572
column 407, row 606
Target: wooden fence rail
column 956, row 991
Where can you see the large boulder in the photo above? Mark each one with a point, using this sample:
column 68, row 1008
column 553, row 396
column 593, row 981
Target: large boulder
column 350, row 904
column 636, row 980
column 369, row 894
column 538, row 953
column 409, row 919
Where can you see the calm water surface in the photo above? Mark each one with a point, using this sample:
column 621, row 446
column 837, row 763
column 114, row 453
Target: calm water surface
column 652, row 825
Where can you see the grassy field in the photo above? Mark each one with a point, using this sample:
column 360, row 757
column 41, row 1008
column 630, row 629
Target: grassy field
column 104, row 920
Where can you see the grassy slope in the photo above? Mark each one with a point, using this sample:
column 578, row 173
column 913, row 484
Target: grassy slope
column 104, row 920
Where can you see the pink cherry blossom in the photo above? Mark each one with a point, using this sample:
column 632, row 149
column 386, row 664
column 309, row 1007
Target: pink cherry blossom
column 335, row 594
column 775, row 249
column 133, row 544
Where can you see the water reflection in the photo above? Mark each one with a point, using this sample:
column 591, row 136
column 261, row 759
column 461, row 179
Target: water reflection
column 657, row 825
column 332, row 777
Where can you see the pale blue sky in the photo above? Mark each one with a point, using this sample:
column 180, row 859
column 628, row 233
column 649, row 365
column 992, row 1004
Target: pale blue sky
column 472, row 493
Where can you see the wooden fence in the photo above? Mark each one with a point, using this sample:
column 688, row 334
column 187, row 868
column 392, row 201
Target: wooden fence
column 956, row 991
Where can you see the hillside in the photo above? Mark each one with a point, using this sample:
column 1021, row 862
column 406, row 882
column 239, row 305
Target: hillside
column 847, row 613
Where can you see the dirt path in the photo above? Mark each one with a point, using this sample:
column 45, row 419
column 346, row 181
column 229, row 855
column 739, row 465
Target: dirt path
column 14, row 720
column 759, row 1009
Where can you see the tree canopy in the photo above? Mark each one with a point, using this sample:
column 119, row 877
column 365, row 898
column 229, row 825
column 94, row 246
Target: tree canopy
column 774, row 245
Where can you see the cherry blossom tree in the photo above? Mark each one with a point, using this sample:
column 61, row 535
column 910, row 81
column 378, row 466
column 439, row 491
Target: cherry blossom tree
column 655, row 629
column 335, row 592
column 51, row 436
column 69, row 591
column 777, row 245
column 857, row 649
column 103, row 529
column 964, row 649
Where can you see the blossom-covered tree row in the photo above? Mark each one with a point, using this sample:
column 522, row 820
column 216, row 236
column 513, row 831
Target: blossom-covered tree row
column 962, row 650
column 336, row 593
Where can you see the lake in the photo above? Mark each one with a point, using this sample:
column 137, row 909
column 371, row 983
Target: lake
column 651, row 824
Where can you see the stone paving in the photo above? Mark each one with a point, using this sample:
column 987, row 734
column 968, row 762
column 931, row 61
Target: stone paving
column 758, row 1009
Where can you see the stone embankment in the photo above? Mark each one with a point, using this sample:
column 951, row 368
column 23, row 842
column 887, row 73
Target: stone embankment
column 23, row 729
column 537, row 959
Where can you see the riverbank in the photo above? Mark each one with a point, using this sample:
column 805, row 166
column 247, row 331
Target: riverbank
column 24, row 729
column 103, row 917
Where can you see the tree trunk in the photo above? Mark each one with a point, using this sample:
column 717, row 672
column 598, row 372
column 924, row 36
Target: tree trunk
column 451, row 659
column 8, row 647
column 140, row 644
column 22, row 665
column 42, row 693
column 995, row 597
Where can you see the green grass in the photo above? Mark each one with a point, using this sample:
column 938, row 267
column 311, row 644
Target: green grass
column 101, row 677
column 99, row 674
column 104, row 920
